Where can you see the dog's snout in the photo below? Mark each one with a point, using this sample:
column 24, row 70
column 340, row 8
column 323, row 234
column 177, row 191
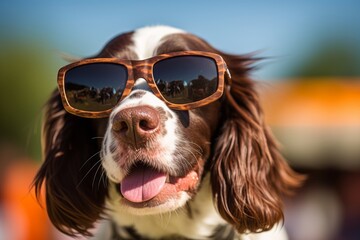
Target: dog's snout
column 136, row 125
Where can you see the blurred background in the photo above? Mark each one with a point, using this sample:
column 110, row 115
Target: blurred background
column 309, row 84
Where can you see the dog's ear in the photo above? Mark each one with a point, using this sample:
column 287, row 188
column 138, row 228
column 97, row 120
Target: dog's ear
column 249, row 175
column 71, row 172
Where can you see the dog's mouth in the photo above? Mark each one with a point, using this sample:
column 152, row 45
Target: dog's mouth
column 142, row 183
column 146, row 186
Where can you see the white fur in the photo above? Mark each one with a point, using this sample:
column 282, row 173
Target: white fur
column 148, row 39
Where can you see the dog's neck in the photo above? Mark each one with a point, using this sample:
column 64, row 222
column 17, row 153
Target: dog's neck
column 197, row 220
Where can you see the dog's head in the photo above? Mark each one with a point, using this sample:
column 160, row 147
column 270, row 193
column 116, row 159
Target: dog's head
column 149, row 158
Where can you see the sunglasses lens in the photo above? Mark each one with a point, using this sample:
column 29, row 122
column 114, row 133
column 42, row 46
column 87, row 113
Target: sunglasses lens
column 186, row 79
column 95, row 87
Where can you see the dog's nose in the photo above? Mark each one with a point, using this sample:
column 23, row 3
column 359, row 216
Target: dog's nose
column 136, row 125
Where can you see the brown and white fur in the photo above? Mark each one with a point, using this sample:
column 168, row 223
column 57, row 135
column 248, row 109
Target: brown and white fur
column 226, row 176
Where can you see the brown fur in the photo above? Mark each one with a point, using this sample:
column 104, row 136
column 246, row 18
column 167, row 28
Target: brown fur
column 249, row 175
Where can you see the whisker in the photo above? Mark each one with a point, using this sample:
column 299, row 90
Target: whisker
column 194, row 153
column 102, row 178
column 89, row 159
column 190, row 142
column 98, row 162
column 196, row 147
column 186, row 165
column 97, row 138
column 93, row 182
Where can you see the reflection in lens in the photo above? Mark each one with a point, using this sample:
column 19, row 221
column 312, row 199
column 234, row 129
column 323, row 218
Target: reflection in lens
column 186, row 79
column 95, row 87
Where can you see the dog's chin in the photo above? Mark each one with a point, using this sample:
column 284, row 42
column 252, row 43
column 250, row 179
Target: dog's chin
column 173, row 194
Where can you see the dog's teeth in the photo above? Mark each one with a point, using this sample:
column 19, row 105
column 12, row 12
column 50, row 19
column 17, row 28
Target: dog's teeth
column 167, row 179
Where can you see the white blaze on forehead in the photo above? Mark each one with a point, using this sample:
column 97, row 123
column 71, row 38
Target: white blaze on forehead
column 141, row 84
column 147, row 40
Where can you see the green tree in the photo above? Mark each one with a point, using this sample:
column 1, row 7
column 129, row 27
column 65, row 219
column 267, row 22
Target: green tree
column 27, row 76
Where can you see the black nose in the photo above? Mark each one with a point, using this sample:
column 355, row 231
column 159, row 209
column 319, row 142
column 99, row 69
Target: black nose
column 136, row 125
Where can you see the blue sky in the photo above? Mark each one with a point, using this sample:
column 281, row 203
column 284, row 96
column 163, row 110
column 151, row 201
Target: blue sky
column 286, row 30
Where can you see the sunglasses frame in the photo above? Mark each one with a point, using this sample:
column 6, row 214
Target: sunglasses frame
column 144, row 69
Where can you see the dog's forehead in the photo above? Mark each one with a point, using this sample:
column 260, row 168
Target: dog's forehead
column 145, row 43
column 146, row 40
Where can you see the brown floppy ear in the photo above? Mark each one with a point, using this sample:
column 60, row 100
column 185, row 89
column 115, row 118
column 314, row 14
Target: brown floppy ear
column 70, row 172
column 249, row 175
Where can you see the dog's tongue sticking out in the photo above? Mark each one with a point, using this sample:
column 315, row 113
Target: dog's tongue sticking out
column 142, row 184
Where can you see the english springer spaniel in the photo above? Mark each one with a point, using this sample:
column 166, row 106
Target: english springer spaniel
column 161, row 136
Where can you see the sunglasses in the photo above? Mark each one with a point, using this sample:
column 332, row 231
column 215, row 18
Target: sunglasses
column 183, row 80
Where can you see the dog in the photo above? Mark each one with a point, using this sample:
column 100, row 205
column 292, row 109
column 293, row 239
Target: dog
column 162, row 159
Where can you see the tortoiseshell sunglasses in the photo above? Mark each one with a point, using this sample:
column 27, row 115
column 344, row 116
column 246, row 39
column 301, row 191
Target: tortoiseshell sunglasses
column 183, row 80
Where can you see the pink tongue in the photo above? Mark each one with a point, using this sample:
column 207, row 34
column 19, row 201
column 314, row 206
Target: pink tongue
column 142, row 184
